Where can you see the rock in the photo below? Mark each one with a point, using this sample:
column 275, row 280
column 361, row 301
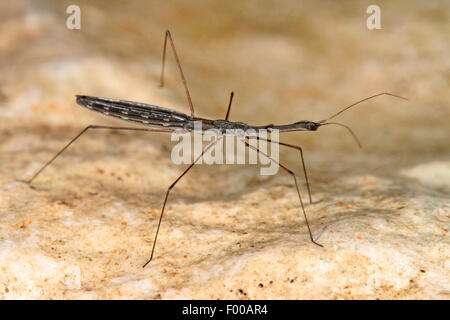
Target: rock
column 86, row 227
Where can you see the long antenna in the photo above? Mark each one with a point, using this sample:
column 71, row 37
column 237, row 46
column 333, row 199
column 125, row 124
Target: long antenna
column 358, row 102
column 349, row 129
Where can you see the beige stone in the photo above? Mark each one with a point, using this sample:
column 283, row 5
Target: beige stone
column 86, row 227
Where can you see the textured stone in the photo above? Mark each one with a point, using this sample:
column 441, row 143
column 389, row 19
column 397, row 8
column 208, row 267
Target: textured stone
column 86, row 227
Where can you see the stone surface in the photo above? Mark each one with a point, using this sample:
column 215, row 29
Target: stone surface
column 86, row 227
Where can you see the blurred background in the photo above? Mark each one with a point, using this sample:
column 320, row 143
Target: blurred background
column 286, row 61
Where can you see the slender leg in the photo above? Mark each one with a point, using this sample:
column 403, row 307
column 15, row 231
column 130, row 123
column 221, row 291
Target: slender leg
column 168, row 35
column 301, row 156
column 296, row 186
column 167, row 195
column 79, row 135
column 229, row 105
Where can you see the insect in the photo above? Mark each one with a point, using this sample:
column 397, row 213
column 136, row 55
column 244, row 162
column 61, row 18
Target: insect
column 159, row 119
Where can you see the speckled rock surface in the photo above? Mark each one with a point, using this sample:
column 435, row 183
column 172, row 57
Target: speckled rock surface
column 86, row 227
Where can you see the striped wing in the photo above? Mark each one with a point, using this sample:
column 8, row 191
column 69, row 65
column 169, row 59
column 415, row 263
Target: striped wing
column 135, row 111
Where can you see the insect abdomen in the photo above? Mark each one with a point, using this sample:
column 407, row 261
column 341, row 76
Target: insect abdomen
column 134, row 111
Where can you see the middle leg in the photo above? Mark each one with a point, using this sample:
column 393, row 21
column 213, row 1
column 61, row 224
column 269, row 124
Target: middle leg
column 209, row 146
column 296, row 186
column 301, row 156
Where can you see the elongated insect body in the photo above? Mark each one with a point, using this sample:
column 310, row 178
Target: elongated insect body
column 159, row 119
column 143, row 113
column 157, row 116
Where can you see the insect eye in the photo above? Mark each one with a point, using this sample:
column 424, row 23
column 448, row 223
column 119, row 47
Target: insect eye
column 311, row 126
